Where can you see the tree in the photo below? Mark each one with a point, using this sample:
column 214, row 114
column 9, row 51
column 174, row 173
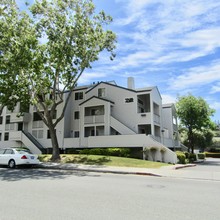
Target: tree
column 46, row 50
column 202, row 138
column 194, row 114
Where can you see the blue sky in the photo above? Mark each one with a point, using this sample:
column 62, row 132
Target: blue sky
column 171, row 44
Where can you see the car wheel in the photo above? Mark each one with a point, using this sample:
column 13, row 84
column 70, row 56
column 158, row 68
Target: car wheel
column 11, row 164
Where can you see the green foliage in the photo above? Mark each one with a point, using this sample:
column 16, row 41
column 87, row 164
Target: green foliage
column 194, row 114
column 48, row 46
column 192, row 157
column 181, row 157
column 120, row 152
column 214, row 155
column 201, row 156
column 187, row 155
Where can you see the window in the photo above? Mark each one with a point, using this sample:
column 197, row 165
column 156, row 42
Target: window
column 37, row 117
column 92, row 132
column 1, row 120
column 6, row 136
column 38, row 133
column 2, row 151
column 93, row 111
column 76, row 134
column 76, row 115
column 7, row 119
column 140, row 102
column 9, row 151
column 78, row 95
column 101, row 92
column 128, row 100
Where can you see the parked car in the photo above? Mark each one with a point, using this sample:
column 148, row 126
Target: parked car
column 17, row 156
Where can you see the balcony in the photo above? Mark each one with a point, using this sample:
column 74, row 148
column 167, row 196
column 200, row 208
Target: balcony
column 15, row 136
column 94, row 119
column 26, row 117
column 144, row 118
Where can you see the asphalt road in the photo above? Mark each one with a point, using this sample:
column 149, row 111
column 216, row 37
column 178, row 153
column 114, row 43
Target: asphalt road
column 37, row 194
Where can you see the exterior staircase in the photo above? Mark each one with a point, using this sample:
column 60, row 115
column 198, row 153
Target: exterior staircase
column 31, row 142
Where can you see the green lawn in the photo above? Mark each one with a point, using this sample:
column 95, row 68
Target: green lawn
column 104, row 160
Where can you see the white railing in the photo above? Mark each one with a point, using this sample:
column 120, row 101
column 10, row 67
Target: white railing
column 26, row 117
column 15, row 136
column 94, row 119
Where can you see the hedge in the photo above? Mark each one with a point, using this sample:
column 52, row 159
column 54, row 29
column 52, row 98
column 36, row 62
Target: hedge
column 120, row 152
column 214, row 155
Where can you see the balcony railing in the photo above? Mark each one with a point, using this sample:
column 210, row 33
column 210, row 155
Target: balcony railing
column 26, row 117
column 15, row 136
column 94, row 119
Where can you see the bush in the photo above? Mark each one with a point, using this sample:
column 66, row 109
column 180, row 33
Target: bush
column 192, row 157
column 214, row 155
column 119, row 152
column 186, row 154
column 181, row 157
column 201, row 156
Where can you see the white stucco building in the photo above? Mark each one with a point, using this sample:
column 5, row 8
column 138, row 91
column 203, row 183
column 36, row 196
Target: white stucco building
column 100, row 115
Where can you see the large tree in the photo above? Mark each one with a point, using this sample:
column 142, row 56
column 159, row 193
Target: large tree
column 194, row 114
column 45, row 49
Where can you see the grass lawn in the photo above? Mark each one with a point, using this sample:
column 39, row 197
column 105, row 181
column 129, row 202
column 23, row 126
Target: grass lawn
column 103, row 160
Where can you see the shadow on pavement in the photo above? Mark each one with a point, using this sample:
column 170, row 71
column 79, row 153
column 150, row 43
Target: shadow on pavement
column 22, row 173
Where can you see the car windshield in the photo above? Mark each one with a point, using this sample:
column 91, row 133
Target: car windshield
column 23, row 151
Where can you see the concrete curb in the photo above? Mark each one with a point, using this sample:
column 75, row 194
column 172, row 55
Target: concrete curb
column 76, row 167
column 185, row 166
column 61, row 167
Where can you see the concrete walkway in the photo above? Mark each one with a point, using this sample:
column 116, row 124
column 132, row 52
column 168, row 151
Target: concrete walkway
column 174, row 171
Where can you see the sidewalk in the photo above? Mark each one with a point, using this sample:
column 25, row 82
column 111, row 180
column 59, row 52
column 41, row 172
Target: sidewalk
column 173, row 171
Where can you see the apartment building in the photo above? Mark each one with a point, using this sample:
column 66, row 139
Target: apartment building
column 99, row 115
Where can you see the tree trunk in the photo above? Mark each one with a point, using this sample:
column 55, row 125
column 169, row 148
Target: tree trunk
column 191, row 140
column 56, row 151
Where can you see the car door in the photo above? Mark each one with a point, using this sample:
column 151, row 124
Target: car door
column 8, row 154
column 2, row 156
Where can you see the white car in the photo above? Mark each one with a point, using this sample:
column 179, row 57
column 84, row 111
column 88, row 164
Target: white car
column 17, row 156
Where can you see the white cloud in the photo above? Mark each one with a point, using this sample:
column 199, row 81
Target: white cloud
column 166, row 98
column 89, row 77
column 215, row 88
column 215, row 105
column 197, row 76
column 170, row 31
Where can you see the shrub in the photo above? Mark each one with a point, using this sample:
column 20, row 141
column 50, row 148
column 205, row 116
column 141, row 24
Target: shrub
column 214, row 155
column 201, row 156
column 192, row 157
column 120, row 152
column 181, row 157
column 186, row 154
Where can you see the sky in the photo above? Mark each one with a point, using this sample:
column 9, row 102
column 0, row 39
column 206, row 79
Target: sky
column 171, row 44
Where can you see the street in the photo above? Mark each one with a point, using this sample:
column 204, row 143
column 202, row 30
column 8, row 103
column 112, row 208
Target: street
column 65, row 195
